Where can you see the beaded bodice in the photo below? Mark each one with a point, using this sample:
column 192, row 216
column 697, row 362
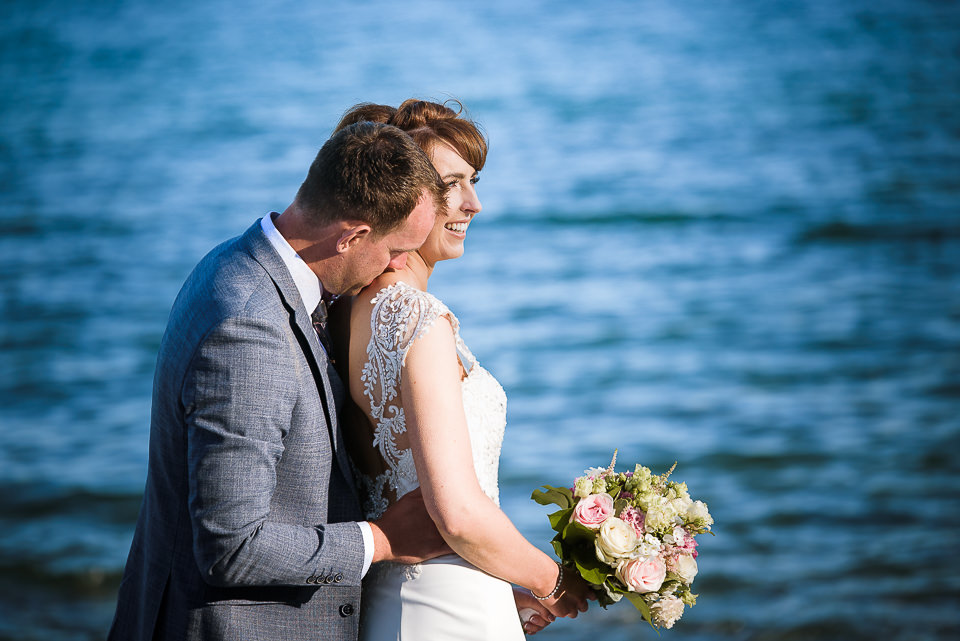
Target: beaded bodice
column 401, row 314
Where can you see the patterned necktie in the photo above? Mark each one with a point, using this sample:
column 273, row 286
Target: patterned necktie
column 319, row 317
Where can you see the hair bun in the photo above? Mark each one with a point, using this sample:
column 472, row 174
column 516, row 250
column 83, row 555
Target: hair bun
column 428, row 123
column 412, row 114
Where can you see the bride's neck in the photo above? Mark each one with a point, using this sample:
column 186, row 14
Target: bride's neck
column 418, row 270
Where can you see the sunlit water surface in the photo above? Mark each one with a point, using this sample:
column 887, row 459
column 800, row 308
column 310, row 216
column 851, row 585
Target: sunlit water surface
column 719, row 233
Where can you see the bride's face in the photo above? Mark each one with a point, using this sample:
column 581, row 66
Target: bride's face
column 446, row 239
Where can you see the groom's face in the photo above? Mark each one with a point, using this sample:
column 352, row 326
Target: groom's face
column 369, row 258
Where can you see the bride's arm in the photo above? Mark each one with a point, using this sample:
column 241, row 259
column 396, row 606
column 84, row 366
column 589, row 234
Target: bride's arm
column 468, row 520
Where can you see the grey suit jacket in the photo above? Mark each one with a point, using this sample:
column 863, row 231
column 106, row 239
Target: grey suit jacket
column 248, row 524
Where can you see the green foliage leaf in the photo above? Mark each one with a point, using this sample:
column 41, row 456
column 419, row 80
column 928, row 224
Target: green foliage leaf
column 619, row 505
column 642, row 606
column 559, row 520
column 589, row 566
column 558, row 548
column 576, row 534
column 592, row 575
column 561, row 496
column 603, row 599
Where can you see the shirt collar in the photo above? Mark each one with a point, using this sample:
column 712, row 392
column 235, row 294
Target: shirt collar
column 306, row 281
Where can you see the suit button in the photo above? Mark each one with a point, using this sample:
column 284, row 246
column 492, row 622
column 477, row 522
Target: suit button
column 346, row 609
column 338, row 578
column 328, row 579
column 311, row 579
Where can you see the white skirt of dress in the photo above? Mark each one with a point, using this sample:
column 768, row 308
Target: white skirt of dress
column 441, row 599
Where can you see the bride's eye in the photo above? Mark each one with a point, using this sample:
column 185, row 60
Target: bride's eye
column 475, row 179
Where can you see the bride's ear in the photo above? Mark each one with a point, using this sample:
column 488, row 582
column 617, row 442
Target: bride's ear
column 351, row 235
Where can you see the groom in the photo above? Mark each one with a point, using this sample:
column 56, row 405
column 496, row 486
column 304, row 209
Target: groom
column 250, row 526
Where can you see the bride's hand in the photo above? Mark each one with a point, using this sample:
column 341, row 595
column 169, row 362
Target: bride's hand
column 533, row 615
column 571, row 598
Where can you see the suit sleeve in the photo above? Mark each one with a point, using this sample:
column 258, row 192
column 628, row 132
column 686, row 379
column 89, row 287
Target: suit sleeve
column 238, row 396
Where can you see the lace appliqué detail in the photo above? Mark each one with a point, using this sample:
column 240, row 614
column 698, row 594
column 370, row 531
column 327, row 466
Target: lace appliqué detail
column 379, row 571
column 401, row 314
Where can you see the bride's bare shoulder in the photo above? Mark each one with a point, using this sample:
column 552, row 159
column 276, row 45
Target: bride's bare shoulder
column 382, row 282
column 363, row 302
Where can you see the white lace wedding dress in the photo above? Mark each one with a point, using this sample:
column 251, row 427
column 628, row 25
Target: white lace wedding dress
column 445, row 598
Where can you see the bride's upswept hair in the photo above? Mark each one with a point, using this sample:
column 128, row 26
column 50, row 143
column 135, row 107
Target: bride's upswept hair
column 429, row 124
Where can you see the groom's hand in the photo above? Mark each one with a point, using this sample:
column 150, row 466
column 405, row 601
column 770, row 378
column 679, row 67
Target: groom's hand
column 572, row 597
column 406, row 533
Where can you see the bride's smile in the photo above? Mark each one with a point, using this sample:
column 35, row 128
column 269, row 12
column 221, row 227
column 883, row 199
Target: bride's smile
column 446, row 239
column 459, row 228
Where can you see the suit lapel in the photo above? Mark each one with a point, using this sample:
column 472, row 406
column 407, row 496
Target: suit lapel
column 328, row 382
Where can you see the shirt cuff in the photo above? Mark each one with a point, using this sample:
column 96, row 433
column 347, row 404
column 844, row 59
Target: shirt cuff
column 367, row 534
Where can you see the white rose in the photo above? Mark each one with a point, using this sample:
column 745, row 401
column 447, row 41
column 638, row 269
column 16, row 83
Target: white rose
column 616, row 540
column 686, row 568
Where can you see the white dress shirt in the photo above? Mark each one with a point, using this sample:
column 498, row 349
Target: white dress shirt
column 311, row 290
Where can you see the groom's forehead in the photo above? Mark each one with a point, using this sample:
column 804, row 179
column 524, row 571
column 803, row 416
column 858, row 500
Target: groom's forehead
column 418, row 224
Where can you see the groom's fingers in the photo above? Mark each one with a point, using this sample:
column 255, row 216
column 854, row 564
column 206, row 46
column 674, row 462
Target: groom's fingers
column 534, row 625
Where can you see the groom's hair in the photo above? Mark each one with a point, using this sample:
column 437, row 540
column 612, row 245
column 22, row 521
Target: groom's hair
column 369, row 172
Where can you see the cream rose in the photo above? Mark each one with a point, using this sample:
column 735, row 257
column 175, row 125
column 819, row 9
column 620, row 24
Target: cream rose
column 616, row 540
column 592, row 511
column 641, row 575
column 686, row 568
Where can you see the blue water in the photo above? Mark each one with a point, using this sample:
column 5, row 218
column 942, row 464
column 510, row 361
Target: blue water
column 717, row 232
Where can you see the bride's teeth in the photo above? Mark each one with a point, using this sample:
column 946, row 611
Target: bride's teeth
column 457, row 227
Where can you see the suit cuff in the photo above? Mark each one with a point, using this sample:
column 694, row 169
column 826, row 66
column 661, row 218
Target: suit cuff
column 367, row 535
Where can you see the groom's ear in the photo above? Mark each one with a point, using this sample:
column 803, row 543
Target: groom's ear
column 351, row 235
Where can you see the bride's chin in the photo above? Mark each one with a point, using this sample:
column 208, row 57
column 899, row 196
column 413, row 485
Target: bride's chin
column 454, row 253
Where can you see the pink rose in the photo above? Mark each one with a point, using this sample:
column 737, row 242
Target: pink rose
column 593, row 510
column 642, row 575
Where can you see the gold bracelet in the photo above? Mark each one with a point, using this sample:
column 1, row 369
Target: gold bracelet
column 555, row 588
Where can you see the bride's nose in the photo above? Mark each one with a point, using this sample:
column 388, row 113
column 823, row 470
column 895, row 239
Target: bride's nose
column 471, row 201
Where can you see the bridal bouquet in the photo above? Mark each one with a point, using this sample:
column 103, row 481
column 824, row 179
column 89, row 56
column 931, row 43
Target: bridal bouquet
column 630, row 534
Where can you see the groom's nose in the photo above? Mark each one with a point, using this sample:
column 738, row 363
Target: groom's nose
column 397, row 262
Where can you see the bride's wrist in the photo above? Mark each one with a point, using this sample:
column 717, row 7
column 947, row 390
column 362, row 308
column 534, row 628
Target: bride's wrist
column 554, row 590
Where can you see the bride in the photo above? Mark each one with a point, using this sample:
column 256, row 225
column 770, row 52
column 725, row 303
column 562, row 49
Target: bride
column 428, row 415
